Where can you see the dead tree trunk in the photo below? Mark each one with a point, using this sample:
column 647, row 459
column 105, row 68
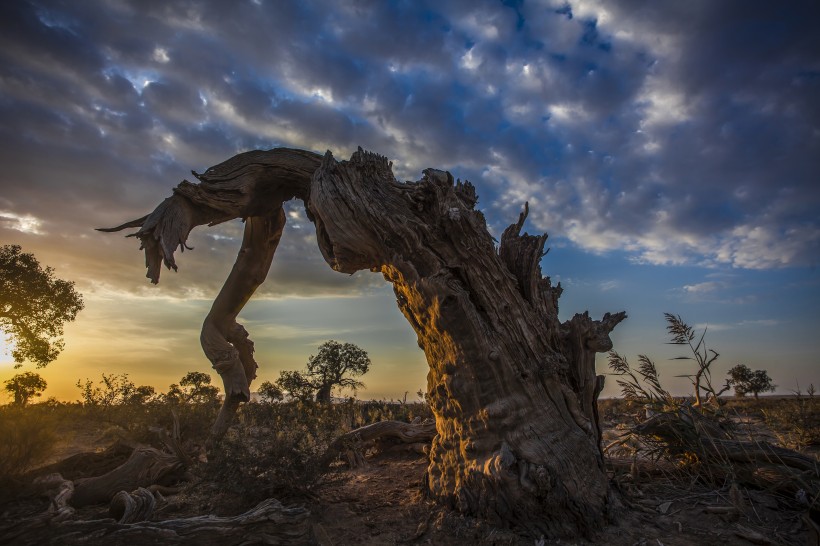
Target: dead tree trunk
column 513, row 390
column 146, row 466
column 252, row 186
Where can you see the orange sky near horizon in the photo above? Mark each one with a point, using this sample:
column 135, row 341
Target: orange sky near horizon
column 671, row 157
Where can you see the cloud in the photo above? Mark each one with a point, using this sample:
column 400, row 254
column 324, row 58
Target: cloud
column 641, row 129
column 702, row 288
column 22, row 223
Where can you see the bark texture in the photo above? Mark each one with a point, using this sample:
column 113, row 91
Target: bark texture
column 146, row 466
column 513, row 390
column 385, row 434
column 252, row 186
column 267, row 523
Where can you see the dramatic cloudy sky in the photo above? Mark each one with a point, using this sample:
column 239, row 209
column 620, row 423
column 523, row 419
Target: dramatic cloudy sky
column 671, row 149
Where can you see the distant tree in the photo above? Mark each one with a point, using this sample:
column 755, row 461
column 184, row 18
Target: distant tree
column 194, row 387
column 141, row 395
column 33, row 307
column 296, row 384
column 24, row 386
column 335, row 365
column 269, row 392
column 746, row 380
column 113, row 390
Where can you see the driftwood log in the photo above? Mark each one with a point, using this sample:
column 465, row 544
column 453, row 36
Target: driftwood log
column 513, row 389
column 352, row 446
column 267, row 523
column 145, row 467
column 131, row 490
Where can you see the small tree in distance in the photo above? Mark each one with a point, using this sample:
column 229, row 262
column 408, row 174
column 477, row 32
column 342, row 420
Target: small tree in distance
column 24, row 386
column 34, row 306
column 194, row 387
column 335, row 365
column 114, row 390
column 296, row 384
column 746, row 380
column 269, row 392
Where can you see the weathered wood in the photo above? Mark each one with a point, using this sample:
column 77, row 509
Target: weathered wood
column 132, row 507
column 512, row 389
column 146, row 466
column 352, row 444
column 252, row 186
column 59, row 491
column 690, row 434
column 267, row 523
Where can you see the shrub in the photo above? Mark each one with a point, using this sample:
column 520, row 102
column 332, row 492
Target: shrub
column 28, row 436
column 277, row 449
column 795, row 420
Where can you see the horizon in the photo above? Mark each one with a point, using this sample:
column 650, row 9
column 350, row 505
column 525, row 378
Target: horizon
column 669, row 151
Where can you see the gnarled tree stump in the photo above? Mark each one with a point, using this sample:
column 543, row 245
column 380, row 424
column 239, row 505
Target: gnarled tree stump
column 512, row 389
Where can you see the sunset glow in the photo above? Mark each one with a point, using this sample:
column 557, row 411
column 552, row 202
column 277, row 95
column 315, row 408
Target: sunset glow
column 670, row 153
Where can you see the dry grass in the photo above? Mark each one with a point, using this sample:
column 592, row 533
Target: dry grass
column 28, row 435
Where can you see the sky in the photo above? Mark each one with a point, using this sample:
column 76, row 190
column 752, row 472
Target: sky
column 670, row 149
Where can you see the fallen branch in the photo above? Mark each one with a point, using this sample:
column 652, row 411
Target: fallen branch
column 268, row 523
column 691, row 435
column 146, row 466
column 352, row 445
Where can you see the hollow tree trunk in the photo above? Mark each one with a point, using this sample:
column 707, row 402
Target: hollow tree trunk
column 513, row 390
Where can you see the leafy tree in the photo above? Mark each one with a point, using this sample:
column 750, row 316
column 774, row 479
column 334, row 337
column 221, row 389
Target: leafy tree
column 335, row 365
column 269, row 392
column 296, row 384
column 23, row 386
column 194, row 387
column 141, row 395
column 746, row 380
column 34, row 305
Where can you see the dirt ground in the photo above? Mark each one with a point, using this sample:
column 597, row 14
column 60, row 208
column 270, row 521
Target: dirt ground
column 382, row 504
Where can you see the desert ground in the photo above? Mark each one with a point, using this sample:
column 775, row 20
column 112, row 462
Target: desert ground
column 272, row 452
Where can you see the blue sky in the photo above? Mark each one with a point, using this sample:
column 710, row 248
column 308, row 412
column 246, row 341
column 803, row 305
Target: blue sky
column 670, row 149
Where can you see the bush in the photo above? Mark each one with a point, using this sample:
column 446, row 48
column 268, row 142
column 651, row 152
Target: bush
column 28, row 436
column 277, row 449
column 795, row 420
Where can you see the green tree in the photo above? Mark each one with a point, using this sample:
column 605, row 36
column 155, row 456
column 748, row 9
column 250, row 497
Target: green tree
column 335, row 365
column 269, row 392
column 34, row 305
column 23, row 386
column 745, row 380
